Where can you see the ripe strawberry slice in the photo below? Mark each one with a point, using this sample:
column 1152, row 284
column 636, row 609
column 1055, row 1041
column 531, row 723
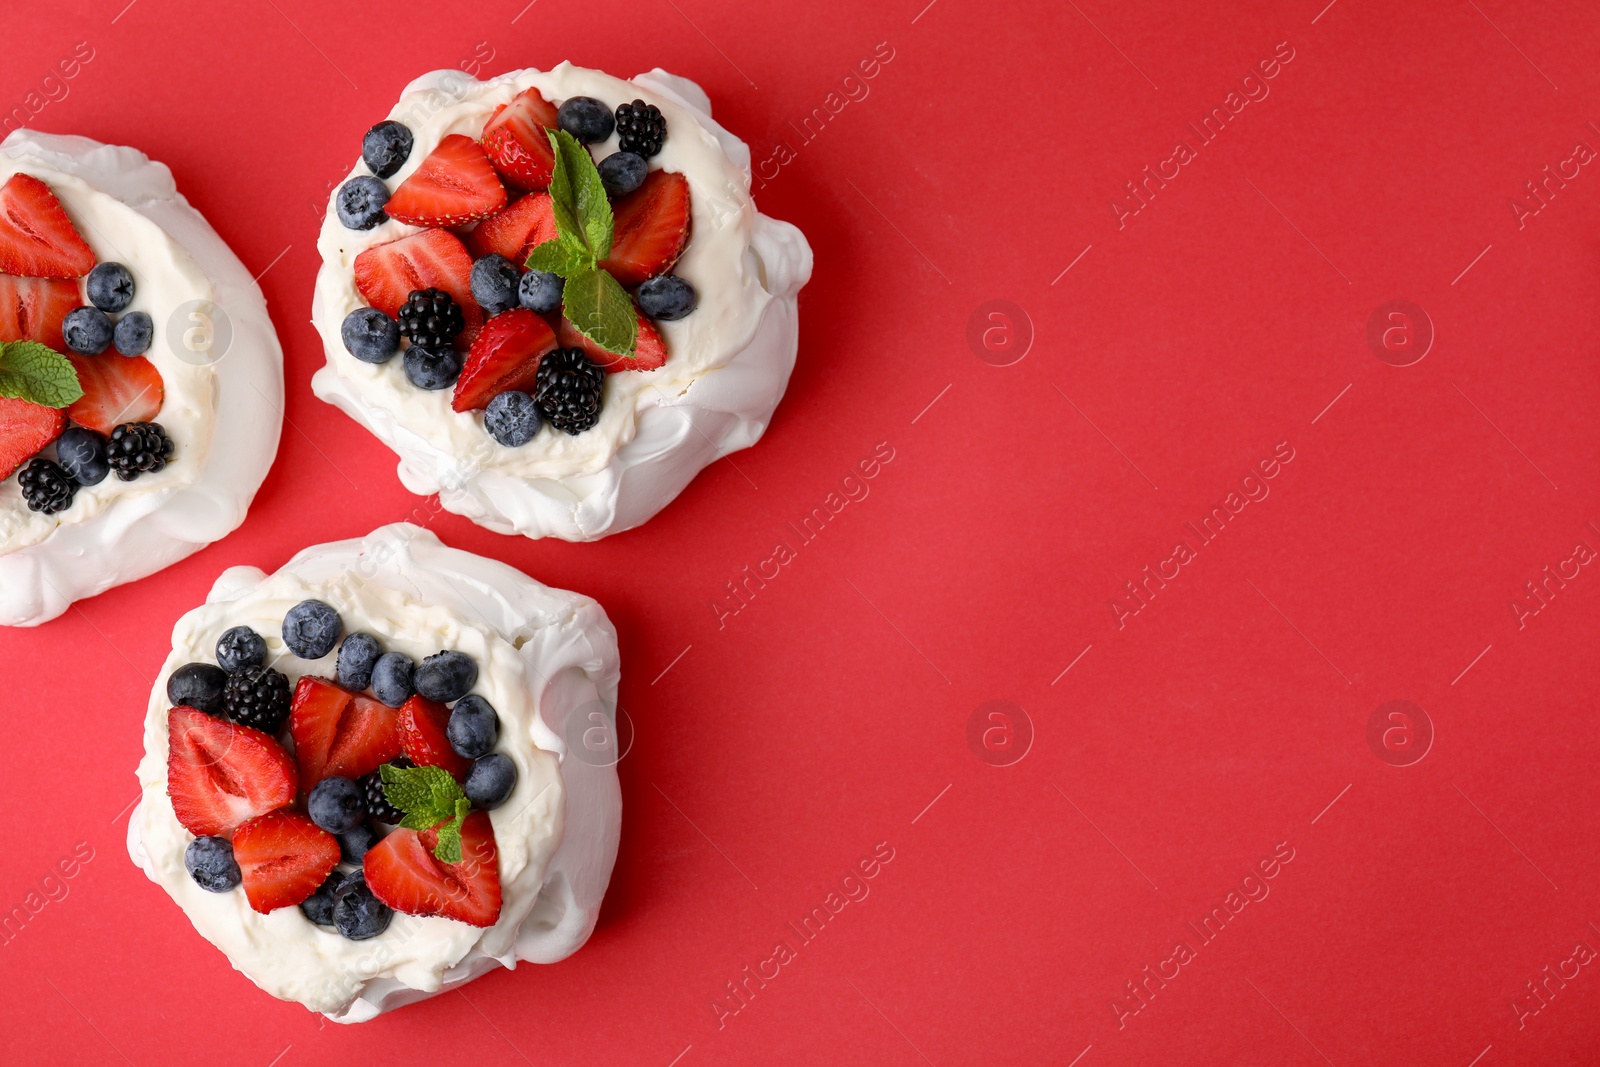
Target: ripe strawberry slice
column 513, row 233
column 387, row 274
column 220, row 774
column 403, row 872
column 504, row 356
column 652, row 227
column 422, row 736
column 116, row 389
column 338, row 733
column 32, row 309
column 25, row 429
column 36, row 237
column 516, row 143
column 649, row 352
column 456, row 184
column 283, row 858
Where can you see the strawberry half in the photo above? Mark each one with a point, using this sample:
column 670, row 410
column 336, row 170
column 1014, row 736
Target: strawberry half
column 652, row 228
column 32, row 309
column 24, row 430
column 504, row 356
column 36, row 237
column 283, row 858
column 649, row 351
column 338, row 733
column 219, row 774
column 513, row 233
column 423, row 738
column 515, row 140
column 456, row 184
column 387, row 274
column 116, row 389
column 403, row 872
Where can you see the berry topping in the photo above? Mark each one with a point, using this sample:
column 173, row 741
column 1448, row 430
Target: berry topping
column 512, row 418
column 311, row 628
column 504, row 356
column 133, row 334
column 586, row 118
column 403, row 872
column 87, row 330
column 239, row 648
column 652, row 227
column 25, row 429
column 138, row 448
column 423, row 726
column 358, row 654
column 378, row 805
column 110, row 287
column 667, row 297
column 516, row 230
column 432, row 370
column 220, row 774
column 258, row 696
column 430, row 319
column 386, row 147
column 33, row 309
column 354, row 844
column 337, row 805
column 391, row 678
column 360, row 203
column 116, row 391
column 515, row 141
column 455, row 185
column 640, row 128
column 649, row 351
column 446, row 676
column 569, row 386
column 357, row 914
column 339, row 733
column 541, row 291
column 370, row 335
column 210, row 862
column 283, row 857
column 623, row 172
column 318, row 907
column 494, row 283
column 388, row 274
column 82, row 454
column 474, row 727
column 492, row 779
column 46, row 487
column 37, row 240
column 199, row 685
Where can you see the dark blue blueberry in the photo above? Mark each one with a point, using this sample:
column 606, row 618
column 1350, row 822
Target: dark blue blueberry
column 623, row 172
column 87, row 330
column 432, row 370
column 311, row 629
column 586, row 118
column 133, row 333
column 210, row 862
column 370, row 335
column 512, row 418
column 360, row 203
column 494, row 284
column 541, row 291
column 82, row 454
column 198, row 685
column 239, row 648
column 392, row 678
column 358, row 654
column 353, row 844
column 386, row 147
column 357, row 914
column 110, row 287
column 338, row 805
column 473, row 728
column 446, row 676
column 318, row 907
column 492, row 779
column 667, row 297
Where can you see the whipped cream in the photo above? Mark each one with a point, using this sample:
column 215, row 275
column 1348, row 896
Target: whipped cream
column 728, row 362
column 129, row 211
column 547, row 662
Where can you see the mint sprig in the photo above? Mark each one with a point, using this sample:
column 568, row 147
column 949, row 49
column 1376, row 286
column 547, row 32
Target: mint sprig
column 38, row 374
column 428, row 796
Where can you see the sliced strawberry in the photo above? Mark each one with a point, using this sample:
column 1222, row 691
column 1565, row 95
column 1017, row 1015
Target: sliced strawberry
column 32, row 309
column 220, row 774
column 24, row 430
column 36, row 237
column 516, row 142
column 388, row 273
column 504, row 356
column 422, row 737
column 513, row 233
column 283, row 858
column 652, row 227
column 116, row 389
column 403, row 872
column 456, row 184
column 649, row 351
column 338, row 733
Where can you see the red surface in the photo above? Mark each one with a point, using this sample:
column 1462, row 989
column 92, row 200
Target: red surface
column 778, row 748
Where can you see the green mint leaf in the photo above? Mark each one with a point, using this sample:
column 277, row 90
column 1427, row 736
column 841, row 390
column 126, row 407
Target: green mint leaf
column 39, row 374
column 562, row 257
column 583, row 214
column 425, row 794
column 599, row 307
column 448, row 848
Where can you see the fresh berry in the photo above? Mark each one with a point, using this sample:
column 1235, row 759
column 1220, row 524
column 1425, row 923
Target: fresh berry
column 392, row 678
column 667, row 297
column 37, row 240
column 378, row 805
column 110, row 287
column 432, row 370
column 358, row 654
column 455, row 185
column 357, row 914
column 340, row 733
column 541, row 291
column 517, row 144
column 491, row 781
column 210, row 862
column 586, row 118
column 388, row 274
column 336, row 804
column 446, row 676
column 87, row 331
column 354, row 844
column 311, row 628
column 25, row 429
column 568, row 389
column 138, row 448
column 494, row 283
column 82, row 454
column 649, row 350
column 259, row 697
column 46, row 488
column 512, row 418
column 431, row 319
column 283, row 857
column 504, row 356
column 517, row 230
column 474, row 727
column 133, row 334
column 115, row 391
column 403, row 872
column 318, row 907
column 640, row 128
column 199, row 685
column 651, row 228
column 423, row 736
column 623, row 172
column 360, row 203
column 386, row 147
column 220, row 774
column 33, row 309
column 370, row 335
column 239, row 648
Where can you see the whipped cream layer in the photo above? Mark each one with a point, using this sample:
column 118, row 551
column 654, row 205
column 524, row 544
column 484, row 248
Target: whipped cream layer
column 728, row 361
column 547, row 662
column 129, row 211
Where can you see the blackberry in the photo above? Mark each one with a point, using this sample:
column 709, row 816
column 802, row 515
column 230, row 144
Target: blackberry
column 138, row 448
column 641, row 128
column 568, row 390
column 257, row 697
column 46, row 487
column 378, row 805
column 431, row 319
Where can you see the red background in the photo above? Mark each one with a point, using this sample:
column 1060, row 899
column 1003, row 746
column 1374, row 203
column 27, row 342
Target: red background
column 774, row 751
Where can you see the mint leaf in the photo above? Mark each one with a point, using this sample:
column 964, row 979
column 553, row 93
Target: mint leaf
column 428, row 796
column 583, row 214
column 562, row 257
column 39, row 374
column 601, row 310
column 448, row 847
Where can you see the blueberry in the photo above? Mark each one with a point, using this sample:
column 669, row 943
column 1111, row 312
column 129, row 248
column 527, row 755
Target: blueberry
column 446, row 676
column 87, row 330
column 353, row 844
column 386, row 147
column 541, row 291
column 492, row 779
column 473, row 728
column 82, row 454
column 198, row 685
column 432, row 370
column 360, row 203
column 370, row 335
column 358, row 654
column 512, row 418
column 311, row 629
column 623, row 172
column 494, row 284
column 391, row 678
column 667, row 297
column 338, row 805
column 586, row 118
column 110, row 287
column 133, row 333
column 210, row 862
column 318, row 907
column 241, row 647
column 357, row 914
